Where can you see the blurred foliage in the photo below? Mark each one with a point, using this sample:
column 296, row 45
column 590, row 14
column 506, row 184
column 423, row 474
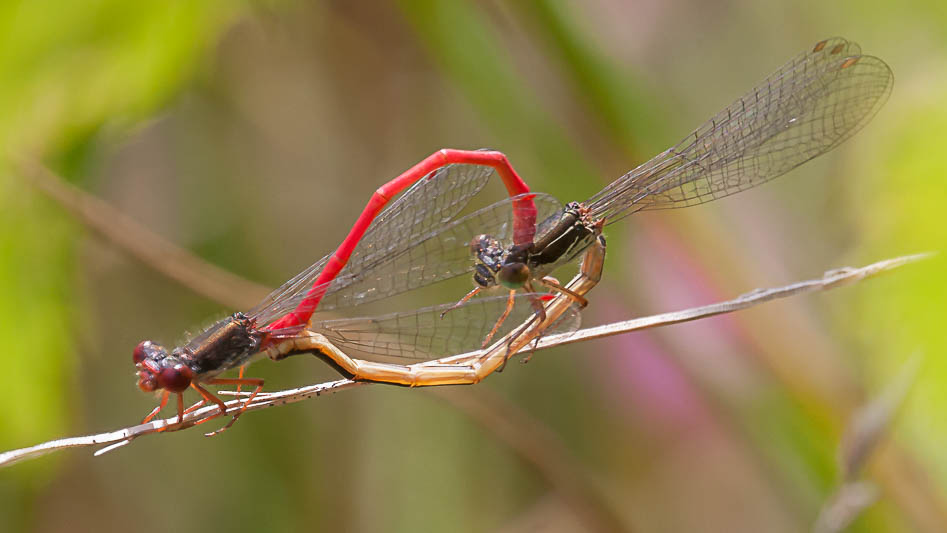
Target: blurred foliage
column 241, row 129
column 70, row 69
column 903, row 209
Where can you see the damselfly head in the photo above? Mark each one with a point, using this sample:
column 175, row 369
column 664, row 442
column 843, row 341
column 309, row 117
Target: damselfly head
column 159, row 370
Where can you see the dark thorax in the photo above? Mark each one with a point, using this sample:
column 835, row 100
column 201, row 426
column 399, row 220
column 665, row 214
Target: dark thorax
column 222, row 346
column 560, row 238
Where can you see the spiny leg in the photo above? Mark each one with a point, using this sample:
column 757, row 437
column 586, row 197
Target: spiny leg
column 463, row 300
column 539, row 315
column 240, row 375
column 196, row 406
column 258, row 383
column 536, row 300
column 515, row 335
column 496, row 327
column 156, row 410
column 537, row 303
column 180, row 409
column 207, row 396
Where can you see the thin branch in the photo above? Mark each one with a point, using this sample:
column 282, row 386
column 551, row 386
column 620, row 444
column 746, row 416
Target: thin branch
column 830, row 280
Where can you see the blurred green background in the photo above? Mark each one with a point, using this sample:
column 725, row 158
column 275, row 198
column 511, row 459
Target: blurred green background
column 252, row 133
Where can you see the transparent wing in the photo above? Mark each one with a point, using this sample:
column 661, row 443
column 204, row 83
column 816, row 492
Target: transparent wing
column 804, row 109
column 423, row 334
column 435, row 198
column 393, row 259
column 441, row 253
column 425, row 206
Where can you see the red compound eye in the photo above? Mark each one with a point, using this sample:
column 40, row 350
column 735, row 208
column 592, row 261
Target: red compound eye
column 148, row 350
column 146, row 381
column 176, row 378
column 140, row 352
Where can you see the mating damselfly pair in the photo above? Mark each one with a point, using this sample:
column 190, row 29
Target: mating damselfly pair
column 414, row 233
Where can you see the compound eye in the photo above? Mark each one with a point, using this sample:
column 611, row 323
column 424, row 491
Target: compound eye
column 175, row 378
column 147, row 381
column 139, row 353
column 147, row 350
column 513, row 275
